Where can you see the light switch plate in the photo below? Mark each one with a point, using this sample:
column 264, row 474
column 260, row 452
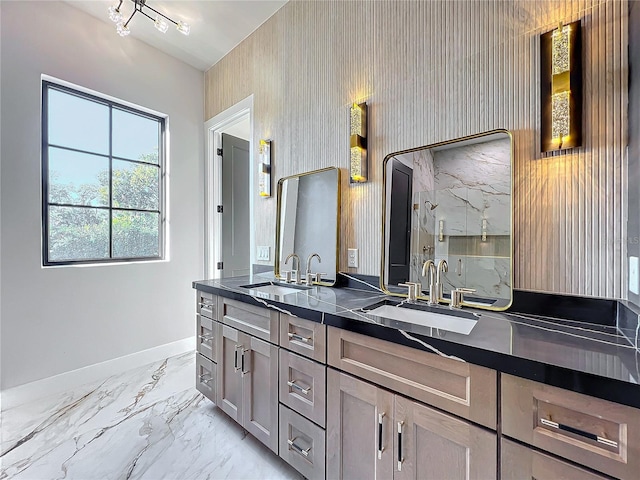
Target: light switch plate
column 352, row 261
column 634, row 283
column 263, row 253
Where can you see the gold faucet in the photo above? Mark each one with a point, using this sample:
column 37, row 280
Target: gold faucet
column 429, row 268
column 443, row 267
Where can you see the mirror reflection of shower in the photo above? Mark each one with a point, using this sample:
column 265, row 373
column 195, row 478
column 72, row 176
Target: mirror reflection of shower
column 431, row 205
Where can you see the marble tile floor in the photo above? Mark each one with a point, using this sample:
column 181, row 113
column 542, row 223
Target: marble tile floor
column 146, row 423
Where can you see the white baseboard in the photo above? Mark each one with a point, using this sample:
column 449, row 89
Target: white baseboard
column 12, row 397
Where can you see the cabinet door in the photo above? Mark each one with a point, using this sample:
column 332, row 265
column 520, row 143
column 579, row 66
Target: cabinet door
column 520, row 462
column 259, row 369
column 359, row 429
column 432, row 445
column 229, row 393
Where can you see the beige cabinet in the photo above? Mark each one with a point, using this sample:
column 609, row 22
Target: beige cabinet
column 601, row 435
column 359, row 429
column 247, row 387
column 206, row 340
column 523, row 463
column 376, row 434
column 461, row 388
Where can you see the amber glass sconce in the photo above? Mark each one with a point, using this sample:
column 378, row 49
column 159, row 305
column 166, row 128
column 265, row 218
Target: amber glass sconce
column 561, row 88
column 358, row 165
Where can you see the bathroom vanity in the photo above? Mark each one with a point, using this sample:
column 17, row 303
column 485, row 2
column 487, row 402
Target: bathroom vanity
column 340, row 393
column 389, row 377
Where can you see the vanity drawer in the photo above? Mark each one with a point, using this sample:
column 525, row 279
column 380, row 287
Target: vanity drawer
column 303, row 386
column 305, row 337
column 461, row 388
column 206, row 334
column 602, row 435
column 257, row 321
column 206, row 372
column 518, row 462
column 302, row 444
column 206, row 304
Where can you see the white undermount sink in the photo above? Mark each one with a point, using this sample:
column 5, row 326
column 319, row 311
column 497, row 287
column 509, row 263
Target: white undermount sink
column 276, row 290
column 440, row 321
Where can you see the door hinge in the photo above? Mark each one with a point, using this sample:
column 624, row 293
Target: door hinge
column 219, row 152
column 219, row 265
column 219, row 208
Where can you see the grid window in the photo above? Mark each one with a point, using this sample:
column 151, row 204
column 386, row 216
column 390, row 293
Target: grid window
column 102, row 179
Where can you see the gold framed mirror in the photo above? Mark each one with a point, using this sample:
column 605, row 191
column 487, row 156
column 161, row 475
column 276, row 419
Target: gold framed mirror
column 308, row 223
column 451, row 201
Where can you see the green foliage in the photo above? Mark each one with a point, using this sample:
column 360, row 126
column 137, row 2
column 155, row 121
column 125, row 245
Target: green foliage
column 83, row 233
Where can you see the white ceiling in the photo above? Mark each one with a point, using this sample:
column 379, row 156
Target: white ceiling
column 217, row 26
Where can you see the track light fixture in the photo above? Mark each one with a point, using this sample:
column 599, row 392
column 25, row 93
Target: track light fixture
column 160, row 20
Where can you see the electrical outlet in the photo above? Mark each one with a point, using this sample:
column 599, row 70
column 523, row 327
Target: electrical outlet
column 352, row 258
column 634, row 284
column 263, row 253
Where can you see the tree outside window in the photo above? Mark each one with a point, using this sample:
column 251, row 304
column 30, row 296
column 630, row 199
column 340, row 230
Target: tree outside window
column 102, row 179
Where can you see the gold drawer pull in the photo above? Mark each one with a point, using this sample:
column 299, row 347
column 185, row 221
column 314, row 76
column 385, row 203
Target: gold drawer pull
column 576, row 431
column 203, row 377
column 302, row 451
column 299, row 338
column 205, row 305
column 298, row 387
column 205, row 338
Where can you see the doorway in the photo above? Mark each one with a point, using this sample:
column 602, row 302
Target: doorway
column 224, row 257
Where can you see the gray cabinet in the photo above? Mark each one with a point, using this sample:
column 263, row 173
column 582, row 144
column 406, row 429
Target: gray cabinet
column 519, row 462
column 377, row 434
column 206, row 340
column 247, row 383
column 359, row 429
column 430, row 444
column 206, row 372
column 599, row 434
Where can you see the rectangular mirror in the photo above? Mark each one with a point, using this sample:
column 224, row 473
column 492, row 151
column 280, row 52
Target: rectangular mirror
column 451, row 201
column 308, row 222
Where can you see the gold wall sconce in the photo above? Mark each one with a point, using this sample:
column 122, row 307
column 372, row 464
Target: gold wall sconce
column 358, row 166
column 561, row 88
column 264, row 168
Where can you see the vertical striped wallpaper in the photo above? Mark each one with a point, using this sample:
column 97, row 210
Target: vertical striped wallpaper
column 438, row 70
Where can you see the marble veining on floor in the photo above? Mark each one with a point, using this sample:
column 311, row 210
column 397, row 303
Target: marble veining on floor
column 147, row 423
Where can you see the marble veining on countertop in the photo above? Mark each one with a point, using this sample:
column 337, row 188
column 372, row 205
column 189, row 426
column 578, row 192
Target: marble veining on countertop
column 541, row 348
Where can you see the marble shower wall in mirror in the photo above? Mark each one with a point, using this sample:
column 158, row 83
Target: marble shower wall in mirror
column 460, row 212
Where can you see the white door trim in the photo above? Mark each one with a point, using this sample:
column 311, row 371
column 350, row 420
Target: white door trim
column 213, row 129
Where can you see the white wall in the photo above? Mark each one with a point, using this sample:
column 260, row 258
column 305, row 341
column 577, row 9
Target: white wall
column 59, row 319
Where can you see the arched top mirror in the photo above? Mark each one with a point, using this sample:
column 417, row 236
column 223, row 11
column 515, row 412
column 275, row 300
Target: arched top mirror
column 308, row 222
column 451, row 201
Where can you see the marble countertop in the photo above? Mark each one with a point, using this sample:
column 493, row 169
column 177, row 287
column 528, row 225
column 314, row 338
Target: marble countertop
column 590, row 358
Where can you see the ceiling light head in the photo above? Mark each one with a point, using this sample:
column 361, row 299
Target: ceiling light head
column 184, row 28
column 122, row 29
column 160, row 24
column 114, row 14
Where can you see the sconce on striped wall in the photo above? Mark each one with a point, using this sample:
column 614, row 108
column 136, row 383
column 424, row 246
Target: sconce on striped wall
column 358, row 143
column 561, row 88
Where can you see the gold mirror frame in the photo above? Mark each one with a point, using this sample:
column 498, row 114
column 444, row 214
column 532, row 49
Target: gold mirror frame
column 467, row 139
column 279, row 221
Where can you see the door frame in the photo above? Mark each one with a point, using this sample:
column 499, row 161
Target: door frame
column 213, row 130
